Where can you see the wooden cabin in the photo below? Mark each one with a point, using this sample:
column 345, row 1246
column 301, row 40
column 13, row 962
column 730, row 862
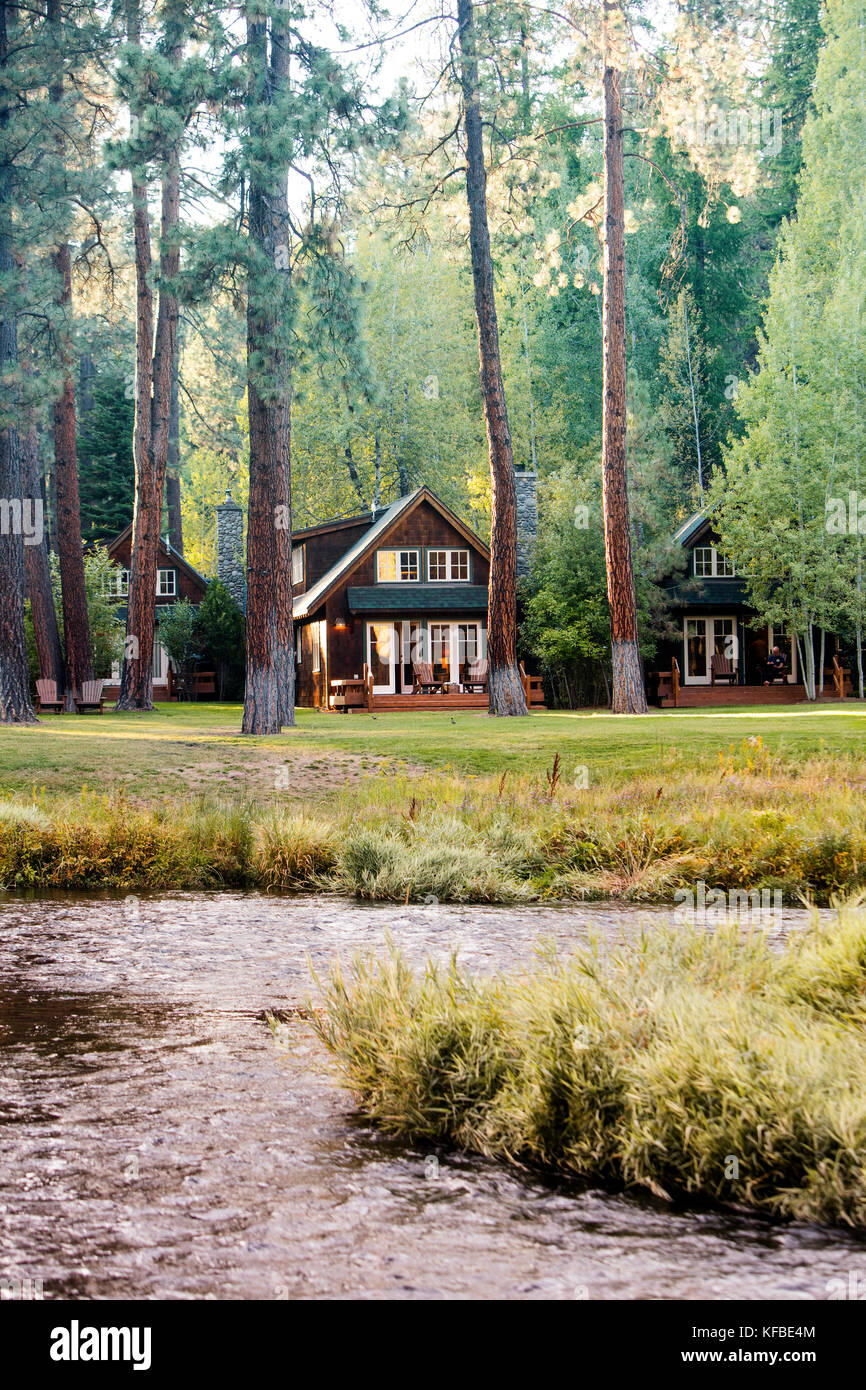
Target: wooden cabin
column 374, row 596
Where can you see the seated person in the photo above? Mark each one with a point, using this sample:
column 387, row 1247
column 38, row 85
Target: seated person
column 775, row 667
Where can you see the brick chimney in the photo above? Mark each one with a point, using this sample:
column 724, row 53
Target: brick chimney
column 230, row 550
column 526, row 486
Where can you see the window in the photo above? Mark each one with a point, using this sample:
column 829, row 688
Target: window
column 397, row 566
column 447, row 564
column 159, row 663
column 298, row 644
column 117, row 583
column 166, row 585
column 317, row 633
column 298, row 564
column 710, row 564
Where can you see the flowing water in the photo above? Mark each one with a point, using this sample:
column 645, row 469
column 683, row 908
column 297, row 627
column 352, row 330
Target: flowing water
column 157, row 1142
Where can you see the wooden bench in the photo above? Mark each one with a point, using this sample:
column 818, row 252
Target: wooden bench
column 91, row 697
column 348, row 694
column 46, row 697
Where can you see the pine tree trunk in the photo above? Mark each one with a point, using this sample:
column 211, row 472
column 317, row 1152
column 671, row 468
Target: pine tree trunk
column 15, row 703
column 172, row 481
column 628, row 695
column 76, row 624
column 152, row 417
column 269, row 701
column 505, row 688
column 38, row 573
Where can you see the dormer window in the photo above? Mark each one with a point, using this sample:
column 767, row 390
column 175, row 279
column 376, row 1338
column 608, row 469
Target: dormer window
column 397, row 566
column 166, row 583
column 450, row 565
column 709, row 564
column 117, row 583
column 297, row 564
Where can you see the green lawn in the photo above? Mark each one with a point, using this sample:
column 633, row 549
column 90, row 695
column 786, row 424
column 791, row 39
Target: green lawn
column 198, row 747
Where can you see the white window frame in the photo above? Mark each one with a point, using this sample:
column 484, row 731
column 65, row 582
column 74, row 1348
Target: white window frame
column 299, row 645
column 118, row 585
column 166, row 593
column 298, row 564
column 397, row 554
column 451, row 554
column 316, row 640
column 709, row 628
column 718, row 564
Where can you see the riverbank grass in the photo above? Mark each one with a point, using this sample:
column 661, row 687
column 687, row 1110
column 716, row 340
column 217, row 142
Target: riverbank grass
column 687, row 1064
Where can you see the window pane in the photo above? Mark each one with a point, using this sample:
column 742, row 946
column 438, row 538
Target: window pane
column 438, row 564
column 298, row 565
column 408, row 565
column 387, row 570
column 459, row 564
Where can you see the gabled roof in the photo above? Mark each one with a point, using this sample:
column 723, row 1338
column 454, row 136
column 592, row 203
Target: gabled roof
column 166, row 550
column 306, row 604
column 691, row 527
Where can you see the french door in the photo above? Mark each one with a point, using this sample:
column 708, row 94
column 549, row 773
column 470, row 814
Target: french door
column 704, row 638
column 393, row 647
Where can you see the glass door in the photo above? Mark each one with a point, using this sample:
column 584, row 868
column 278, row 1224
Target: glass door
column 697, row 670
column 382, row 648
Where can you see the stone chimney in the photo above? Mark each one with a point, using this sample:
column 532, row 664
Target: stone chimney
column 526, row 486
column 230, row 550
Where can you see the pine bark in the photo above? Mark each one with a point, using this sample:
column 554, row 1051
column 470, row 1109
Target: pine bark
column 153, row 369
column 76, row 623
column 627, row 694
column 38, row 573
column 15, row 703
column 269, row 701
column 172, row 481
column 505, row 688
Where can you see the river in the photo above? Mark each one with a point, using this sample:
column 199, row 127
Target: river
column 157, row 1142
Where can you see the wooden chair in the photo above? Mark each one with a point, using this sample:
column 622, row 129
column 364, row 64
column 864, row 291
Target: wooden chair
column 533, row 688
column 667, row 683
column 91, row 697
column 46, row 697
column 841, row 678
column 476, row 676
column 722, row 668
column 423, row 682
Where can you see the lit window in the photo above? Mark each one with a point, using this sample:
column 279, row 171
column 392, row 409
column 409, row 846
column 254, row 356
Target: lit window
column 166, row 585
column 317, row 634
column 397, row 566
column 298, row 645
column 447, row 564
column 298, row 565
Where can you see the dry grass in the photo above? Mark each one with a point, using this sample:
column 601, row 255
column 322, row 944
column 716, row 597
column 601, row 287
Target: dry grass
column 688, row 1063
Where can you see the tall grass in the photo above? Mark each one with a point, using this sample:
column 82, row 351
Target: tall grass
column 755, row 821
column 687, row 1063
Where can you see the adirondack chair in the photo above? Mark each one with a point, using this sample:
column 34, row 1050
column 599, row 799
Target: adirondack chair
column 423, row 682
column 46, row 697
column 722, row 668
column 841, row 678
column 91, row 697
column 476, row 676
column 533, row 687
column 666, row 683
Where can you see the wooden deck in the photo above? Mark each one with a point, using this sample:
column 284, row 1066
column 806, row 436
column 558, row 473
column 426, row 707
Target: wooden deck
column 699, row 696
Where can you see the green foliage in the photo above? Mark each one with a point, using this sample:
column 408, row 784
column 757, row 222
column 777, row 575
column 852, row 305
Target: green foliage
column 106, row 472
column 221, row 629
column 106, row 630
column 178, row 633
